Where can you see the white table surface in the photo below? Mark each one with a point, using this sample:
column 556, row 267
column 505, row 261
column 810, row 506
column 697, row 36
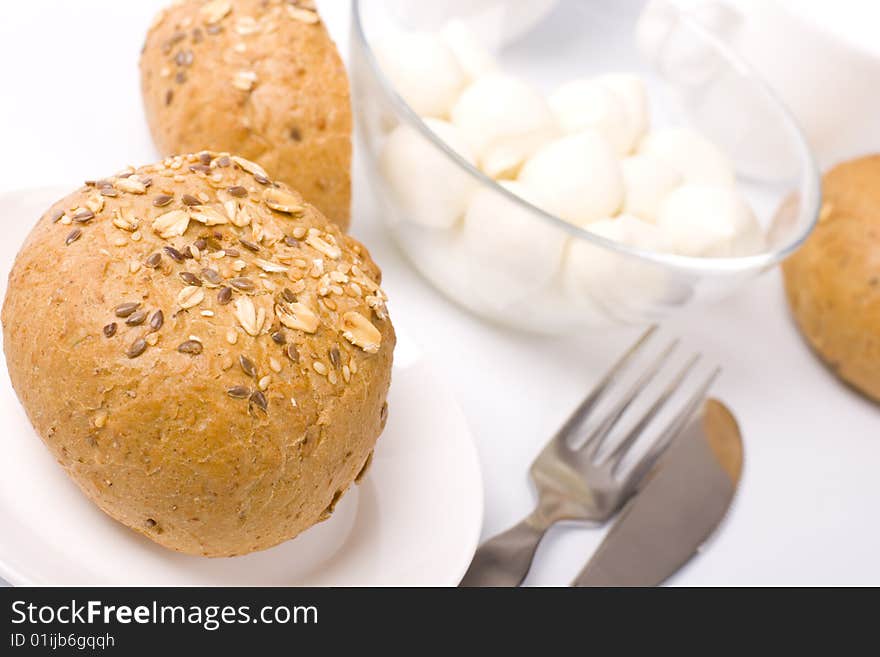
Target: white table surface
column 807, row 510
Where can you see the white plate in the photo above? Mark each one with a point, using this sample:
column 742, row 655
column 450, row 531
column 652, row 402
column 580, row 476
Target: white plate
column 414, row 520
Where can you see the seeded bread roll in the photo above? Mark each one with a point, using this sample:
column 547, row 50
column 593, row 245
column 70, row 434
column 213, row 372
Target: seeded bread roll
column 260, row 78
column 833, row 281
column 206, row 355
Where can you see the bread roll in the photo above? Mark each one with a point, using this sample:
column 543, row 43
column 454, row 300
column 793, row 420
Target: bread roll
column 260, row 78
column 203, row 352
column 833, row 282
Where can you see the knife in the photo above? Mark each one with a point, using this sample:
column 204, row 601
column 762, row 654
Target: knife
column 677, row 509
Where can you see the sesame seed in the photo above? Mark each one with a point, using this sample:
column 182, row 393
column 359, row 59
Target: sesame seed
column 319, row 367
column 274, row 365
column 231, row 336
column 263, row 383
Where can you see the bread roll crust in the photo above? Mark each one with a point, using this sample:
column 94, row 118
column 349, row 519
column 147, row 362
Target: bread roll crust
column 833, row 281
column 212, row 428
column 261, row 79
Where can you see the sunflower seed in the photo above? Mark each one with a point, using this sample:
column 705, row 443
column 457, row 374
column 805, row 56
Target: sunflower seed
column 278, row 337
column 110, row 330
column 292, row 353
column 55, row 216
column 190, row 279
column 126, row 309
column 238, row 392
column 190, row 347
column 162, row 200
column 136, row 318
column 290, row 241
column 249, row 245
column 223, row 161
column 247, row 366
column 211, row 277
column 243, row 284
column 136, row 348
column 83, row 216
column 288, row 295
column 153, row 260
column 174, row 254
column 335, row 358
column 258, row 399
column 190, row 200
column 237, row 191
column 263, row 180
column 73, row 236
column 157, row 320
column 224, row 296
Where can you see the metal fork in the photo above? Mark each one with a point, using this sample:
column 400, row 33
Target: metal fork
column 573, row 483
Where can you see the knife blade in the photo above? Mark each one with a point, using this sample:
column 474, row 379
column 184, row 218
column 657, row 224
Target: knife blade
column 677, row 509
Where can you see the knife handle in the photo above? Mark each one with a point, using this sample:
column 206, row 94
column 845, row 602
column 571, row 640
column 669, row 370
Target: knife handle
column 505, row 559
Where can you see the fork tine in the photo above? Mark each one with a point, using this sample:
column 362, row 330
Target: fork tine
column 576, row 419
column 615, row 458
column 596, row 438
column 665, row 438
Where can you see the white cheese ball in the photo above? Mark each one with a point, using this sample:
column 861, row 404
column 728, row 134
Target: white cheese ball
column 578, row 177
column 587, row 105
column 473, row 57
column 710, row 221
column 630, row 90
column 430, row 188
column 505, row 121
column 423, row 70
column 510, row 245
column 699, row 160
column 626, row 289
column 647, row 180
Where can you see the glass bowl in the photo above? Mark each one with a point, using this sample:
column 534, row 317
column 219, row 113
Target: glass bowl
column 693, row 79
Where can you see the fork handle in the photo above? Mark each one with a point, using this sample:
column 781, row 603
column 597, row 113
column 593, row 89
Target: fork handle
column 505, row 559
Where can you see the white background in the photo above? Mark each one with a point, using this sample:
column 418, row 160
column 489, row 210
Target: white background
column 807, row 509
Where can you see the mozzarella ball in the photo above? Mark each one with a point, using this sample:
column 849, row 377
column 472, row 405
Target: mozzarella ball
column 505, row 121
column 578, row 177
column 423, row 70
column 587, row 105
column 711, row 221
column 699, row 160
column 626, row 289
column 646, row 180
column 630, row 90
column 511, row 244
column 472, row 56
column 430, row 188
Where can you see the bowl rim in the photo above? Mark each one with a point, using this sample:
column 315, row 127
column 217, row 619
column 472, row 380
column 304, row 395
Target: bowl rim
column 809, row 190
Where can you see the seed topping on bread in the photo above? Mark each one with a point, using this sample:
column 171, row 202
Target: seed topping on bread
column 244, row 252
